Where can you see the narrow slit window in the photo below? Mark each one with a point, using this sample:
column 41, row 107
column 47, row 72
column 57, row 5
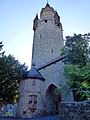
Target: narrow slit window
column 34, row 82
column 51, row 50
column 40, row 36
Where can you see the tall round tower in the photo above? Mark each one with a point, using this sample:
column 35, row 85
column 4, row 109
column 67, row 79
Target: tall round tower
column 48, row 36
column 38, row 91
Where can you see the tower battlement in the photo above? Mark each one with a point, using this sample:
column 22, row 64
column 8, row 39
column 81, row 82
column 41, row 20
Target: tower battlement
column 47, row 14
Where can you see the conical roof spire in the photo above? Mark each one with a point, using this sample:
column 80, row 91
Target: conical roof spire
column 47, row 8
column 47, row 5
column 34, row 73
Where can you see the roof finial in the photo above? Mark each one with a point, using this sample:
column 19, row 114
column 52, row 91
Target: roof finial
column 47, row 5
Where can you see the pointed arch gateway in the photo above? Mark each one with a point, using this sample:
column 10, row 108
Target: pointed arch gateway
column 51, row 100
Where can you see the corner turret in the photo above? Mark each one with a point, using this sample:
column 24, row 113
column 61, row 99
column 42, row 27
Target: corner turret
column 57, row 19
column 35, row 23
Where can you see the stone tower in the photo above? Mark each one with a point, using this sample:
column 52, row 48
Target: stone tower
column 48, row 36
column 38, row 90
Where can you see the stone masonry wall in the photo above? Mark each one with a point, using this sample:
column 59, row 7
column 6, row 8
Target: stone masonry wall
column 75, row 111
column 48, row 42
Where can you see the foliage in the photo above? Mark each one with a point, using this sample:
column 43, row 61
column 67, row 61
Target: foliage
column 76, row 49
column 1, row 45
column 79, row 80
column 11, row 72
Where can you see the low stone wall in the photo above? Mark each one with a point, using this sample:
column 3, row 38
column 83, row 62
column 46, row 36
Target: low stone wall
column 75, row 111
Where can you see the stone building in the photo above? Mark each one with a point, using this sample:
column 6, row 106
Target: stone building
column 38, row 91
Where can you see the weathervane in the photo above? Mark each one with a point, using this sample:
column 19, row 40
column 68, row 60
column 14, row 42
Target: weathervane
column 47, row 1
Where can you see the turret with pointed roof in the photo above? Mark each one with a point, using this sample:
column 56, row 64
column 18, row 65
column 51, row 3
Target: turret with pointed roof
column 35, row 22
column 34, row 74
column 46, row 10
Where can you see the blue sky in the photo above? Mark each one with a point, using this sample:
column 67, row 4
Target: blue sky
column 16, row 22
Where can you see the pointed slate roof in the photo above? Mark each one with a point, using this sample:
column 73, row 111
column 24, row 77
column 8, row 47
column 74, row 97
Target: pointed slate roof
column 47, row 5
column 34, row 74
column 47, row 8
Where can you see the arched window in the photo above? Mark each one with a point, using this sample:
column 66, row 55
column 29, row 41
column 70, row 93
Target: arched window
column 32, row 102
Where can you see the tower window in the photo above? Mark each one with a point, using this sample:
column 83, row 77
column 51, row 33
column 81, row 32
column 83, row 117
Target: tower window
column 45, row 21
column 34, row 82
column 24, row 112
column 32, row 98
column 40, row 36
column 51, row 50
column 32, row 102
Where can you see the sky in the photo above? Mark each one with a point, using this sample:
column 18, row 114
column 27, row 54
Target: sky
column 16, row 23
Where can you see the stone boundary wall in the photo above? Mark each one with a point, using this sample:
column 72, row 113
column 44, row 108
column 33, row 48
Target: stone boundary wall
column 74, row 111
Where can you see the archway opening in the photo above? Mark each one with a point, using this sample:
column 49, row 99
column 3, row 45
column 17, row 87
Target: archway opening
column 52, row 100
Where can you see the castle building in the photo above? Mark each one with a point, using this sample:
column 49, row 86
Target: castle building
column 38, row 92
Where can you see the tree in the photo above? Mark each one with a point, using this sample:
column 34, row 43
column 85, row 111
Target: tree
column 1, row 45
column 79, row 81
column 76, row 51
column 11, row 72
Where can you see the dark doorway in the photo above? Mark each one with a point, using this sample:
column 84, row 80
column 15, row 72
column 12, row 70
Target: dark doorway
column 52, row 100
